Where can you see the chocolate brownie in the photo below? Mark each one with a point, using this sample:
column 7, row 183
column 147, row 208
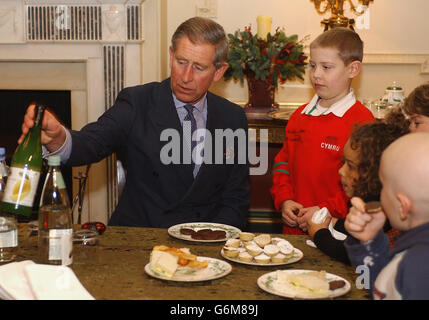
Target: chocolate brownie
column 373, row 207
column 336, row 284
column 208, row 234
column 187, row 231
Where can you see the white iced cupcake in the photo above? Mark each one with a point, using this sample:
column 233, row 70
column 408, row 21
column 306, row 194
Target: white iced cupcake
column 262, row 258
column 286, row 248
column 245, row 256
column 246, row 236
column 279, row 258
column 254, row 250
column 233, row 243
column 248, row 243
column 231, row 252
column 262, row 240
column 271, row 250
column 276, row 240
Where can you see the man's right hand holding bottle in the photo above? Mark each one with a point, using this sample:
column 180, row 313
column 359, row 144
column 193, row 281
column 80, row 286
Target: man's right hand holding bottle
column 53, row 133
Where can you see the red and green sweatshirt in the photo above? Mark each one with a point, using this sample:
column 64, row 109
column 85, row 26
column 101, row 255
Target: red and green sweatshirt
column 306, row 168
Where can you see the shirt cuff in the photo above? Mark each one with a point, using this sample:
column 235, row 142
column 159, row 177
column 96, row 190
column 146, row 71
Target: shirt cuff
column 64, row 151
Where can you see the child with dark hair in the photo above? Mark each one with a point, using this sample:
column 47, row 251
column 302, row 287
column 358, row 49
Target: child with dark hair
column 359, row 177
column 416, row 106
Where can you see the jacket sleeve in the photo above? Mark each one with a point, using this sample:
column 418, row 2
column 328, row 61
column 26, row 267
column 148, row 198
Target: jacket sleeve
column 281, row 189
column 330, row 246
column 412, row 280
column 373, row 255
column 99, row 139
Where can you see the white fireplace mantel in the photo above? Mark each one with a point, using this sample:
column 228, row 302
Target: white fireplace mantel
column 92, row 48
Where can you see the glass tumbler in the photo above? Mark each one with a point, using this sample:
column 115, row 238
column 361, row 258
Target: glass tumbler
column 85, row 244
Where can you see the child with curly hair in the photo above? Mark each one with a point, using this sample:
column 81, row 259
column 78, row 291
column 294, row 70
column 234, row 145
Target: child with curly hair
column 416, row 106
column 359, row 178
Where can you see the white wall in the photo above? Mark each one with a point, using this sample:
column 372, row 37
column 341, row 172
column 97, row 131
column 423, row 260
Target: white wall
column 396, row 45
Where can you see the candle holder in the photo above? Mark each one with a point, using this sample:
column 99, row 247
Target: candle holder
column 78, row 199
column 337, row 18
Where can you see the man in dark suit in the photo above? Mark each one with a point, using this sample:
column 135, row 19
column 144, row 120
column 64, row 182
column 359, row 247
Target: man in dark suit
column 158, row 193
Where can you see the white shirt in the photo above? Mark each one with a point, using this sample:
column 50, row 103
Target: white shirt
column 339, row 108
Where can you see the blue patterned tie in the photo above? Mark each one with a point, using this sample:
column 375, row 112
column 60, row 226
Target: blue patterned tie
column 190, row 117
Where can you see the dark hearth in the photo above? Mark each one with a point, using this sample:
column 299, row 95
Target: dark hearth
column 14, row 103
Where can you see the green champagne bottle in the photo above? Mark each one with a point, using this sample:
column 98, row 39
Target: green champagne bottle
column 25, row 170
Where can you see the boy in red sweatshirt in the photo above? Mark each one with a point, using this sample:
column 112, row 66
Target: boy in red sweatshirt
column 305, row 171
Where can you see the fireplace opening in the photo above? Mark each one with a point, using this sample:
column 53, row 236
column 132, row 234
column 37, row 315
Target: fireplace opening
column 13, row 104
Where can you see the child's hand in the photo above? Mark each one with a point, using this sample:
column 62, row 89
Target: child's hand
column 361, row 225
column 290, row 210
column 312, row 227
column 305, row 215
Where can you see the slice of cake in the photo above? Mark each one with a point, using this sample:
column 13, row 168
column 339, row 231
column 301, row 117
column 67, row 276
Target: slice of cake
column 164, row 263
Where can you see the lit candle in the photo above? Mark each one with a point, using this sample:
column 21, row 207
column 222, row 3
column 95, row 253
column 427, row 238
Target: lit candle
column 264, row 26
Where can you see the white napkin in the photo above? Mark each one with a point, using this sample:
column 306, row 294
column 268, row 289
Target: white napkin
column 28, row 280
column 319, row 217
column 13, row 283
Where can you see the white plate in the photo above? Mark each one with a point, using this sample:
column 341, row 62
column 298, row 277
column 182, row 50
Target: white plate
column 267, row 282
column 216, row 269
column 297, row 255
column 231, row 232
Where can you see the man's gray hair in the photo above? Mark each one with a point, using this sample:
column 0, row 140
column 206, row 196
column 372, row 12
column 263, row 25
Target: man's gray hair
column 203, row 30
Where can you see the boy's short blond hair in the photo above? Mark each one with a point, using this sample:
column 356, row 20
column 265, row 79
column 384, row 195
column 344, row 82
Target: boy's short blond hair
column 346, row 41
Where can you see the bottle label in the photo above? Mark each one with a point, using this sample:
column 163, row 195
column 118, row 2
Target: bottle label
column 9, row 239
column 61, row 245
column 3, row 170
column 21, row 186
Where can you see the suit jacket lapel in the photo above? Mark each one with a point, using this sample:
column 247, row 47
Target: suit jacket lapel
column 165, row 113
column 165, row 117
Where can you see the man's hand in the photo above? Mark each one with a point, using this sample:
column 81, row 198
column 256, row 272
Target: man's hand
column 53, row 134
column 361, row 225
column 290, row 210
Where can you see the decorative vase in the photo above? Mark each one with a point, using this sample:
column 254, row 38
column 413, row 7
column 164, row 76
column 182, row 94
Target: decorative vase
column 261, row 94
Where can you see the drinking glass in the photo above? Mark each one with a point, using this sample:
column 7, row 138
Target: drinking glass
column 85, row 244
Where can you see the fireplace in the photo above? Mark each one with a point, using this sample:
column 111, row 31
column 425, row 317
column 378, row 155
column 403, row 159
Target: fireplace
column 90, row 49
